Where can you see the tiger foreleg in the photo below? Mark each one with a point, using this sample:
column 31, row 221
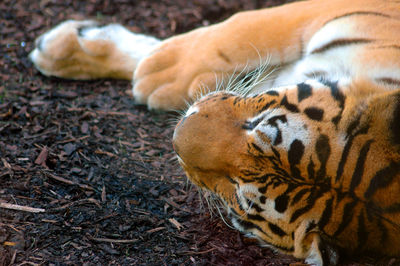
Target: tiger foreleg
column 84, row 50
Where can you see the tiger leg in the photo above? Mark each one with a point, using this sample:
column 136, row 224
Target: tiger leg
column 84, row 50
column 185, row 64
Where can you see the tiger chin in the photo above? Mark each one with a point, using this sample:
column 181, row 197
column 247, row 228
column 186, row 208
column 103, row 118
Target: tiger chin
column 311, row 169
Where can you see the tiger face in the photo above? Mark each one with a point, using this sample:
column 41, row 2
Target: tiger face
column 307, row 169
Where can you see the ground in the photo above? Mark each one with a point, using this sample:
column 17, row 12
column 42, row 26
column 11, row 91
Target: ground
column 99, row 169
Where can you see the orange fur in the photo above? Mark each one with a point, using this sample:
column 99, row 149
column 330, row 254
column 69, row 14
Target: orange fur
column 218, row 153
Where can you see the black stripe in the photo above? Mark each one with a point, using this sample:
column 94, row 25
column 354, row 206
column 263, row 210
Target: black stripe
column 249, row 225
column 272, row 120
column 255, row 217
column 326, row 252
column 224, row 56
column 247, row 173
column 276, row 230
column 284, row 249
column 295, row 154
column 339, row 43
column 355, row 123
column 315, row 195
column 238, row 202
column 391, row 46
column 347, row 216
column 388, row 81
column 314, row 113
column 310, row 170
column 251, row 125
column 289, row 106
column 359, row 169
column 310, row 226
column 278, row 139
column 272, row 93
column 382, row 179
column 335, row 92
column 263, row 189
column 337, row 118
column 323, row 150
column 237, row 99
column 303, row 91
column 267, row 105
column 256, row 147
column 230, row 179
column 384, row 233
column 346, row 151
column 256, row 207
column 326, row 215
column 276, row 154
column 362, row 234
column 392, row 208
column 358, row 13
column 394, row 125
column 298, row 196
column 263, row 199
column 281, row 203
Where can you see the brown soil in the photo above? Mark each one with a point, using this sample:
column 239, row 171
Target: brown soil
column 100, row 166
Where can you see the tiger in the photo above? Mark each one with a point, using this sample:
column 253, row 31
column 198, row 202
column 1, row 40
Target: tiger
column 305, row 158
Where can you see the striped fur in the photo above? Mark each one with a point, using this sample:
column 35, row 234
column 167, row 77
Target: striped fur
column 308, row 169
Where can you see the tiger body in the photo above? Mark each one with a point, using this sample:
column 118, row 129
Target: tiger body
column 308, row 169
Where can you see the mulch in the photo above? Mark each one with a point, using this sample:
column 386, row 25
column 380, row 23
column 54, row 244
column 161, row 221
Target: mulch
column 98, row 171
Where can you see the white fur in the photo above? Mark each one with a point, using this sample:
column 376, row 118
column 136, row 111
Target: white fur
column 251, row 192
column 337, row 29
column 136, row 45
column 314, row 257
column 293, row 129
column 192, row 110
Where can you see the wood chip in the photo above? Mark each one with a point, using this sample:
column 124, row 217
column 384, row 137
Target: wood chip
column 155, row 229
column 67, row 181
column 103, row 194
column 106, row 153
column 42, row 157
column 20, row 207
column 109, row 240
column 175, row 223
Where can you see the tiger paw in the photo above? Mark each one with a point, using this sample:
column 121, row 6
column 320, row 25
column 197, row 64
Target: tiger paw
column 83, row 50
column 178, row 71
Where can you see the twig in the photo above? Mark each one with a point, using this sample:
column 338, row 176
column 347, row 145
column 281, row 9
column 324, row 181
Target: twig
column 13, row 258
column 20, row 207
column 67, row 181
column 105, row 153
column 173, row 204
column 196, row 252
column 101, row 112
column 155, row 229
column 78, row 202
column 72, row 139
column 109, row 240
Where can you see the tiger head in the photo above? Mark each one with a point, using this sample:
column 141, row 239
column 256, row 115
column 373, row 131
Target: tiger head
column 293, row 164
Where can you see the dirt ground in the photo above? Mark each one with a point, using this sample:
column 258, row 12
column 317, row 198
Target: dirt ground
column 99, row 168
